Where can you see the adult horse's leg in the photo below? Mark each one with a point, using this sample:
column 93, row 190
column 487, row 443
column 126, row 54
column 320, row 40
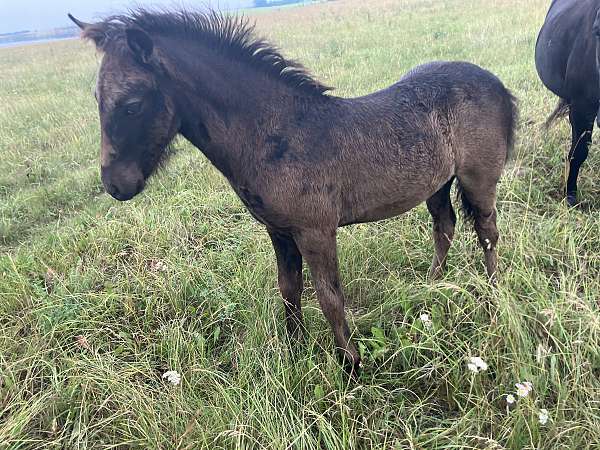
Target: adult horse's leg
column 582, row 124
column 444, row 220
column 319, row 249
column 289, row 277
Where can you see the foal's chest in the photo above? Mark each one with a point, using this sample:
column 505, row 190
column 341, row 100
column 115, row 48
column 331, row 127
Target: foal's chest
column 253, row 202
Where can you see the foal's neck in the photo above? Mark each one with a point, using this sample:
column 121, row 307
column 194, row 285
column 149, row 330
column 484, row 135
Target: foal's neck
column 229, row 108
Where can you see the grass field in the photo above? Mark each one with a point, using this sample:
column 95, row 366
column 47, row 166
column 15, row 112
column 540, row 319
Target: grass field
column 98, row 298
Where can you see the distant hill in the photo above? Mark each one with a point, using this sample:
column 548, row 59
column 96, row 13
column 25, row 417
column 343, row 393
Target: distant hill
column 267, row 3
column 26, row 35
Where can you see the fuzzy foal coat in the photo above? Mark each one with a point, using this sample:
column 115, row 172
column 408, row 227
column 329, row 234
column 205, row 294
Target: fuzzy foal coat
column 302, row 161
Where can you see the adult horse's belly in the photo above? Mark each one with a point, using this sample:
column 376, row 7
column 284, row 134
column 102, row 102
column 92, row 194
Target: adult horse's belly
column 552, row 53
column 565, row 49
column 550, row 66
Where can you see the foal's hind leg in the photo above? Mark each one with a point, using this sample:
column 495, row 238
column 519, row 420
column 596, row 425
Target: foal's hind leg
column 444, row 220
column 582, row 124
column 479, row 200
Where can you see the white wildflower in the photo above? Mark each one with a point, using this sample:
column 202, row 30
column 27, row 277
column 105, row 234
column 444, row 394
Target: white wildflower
column 543, row 416
column 479, row 363
column 172, row 377
column 523, row 389
column 427, row 323
column 472, row 367
column 476, row 364
column 510, row 399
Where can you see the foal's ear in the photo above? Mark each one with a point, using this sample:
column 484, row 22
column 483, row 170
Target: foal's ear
column 95, row 32
column 140, row 44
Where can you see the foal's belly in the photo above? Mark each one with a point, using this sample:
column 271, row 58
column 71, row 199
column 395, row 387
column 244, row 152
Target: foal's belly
column 384, row 210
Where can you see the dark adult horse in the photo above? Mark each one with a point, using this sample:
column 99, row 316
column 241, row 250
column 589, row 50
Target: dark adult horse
column 566, row 57
column 303, row 162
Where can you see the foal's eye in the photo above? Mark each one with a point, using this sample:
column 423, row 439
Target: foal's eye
column 132, row 109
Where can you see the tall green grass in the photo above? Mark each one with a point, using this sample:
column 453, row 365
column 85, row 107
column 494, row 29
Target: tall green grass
column 98, row 299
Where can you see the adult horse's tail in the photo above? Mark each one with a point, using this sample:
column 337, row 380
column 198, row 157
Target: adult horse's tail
column 562, row 110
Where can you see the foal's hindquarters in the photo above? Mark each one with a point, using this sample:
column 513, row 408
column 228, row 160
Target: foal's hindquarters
column 480, row 158
column 442, row 122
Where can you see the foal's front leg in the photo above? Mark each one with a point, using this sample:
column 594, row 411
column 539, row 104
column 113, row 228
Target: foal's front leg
column 289, row 277
column 319, row 249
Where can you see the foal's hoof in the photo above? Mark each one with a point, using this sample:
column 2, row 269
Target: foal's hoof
column 572, row 200
column 435, row 274
column 296, row 333
column 352, row 367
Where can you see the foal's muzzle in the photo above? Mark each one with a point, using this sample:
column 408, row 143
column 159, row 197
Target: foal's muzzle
column 123, row 181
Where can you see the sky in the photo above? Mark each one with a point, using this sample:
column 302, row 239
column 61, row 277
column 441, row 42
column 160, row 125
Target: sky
column 19, row 15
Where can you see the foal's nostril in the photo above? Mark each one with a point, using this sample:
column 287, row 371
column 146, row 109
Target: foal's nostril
column 122, row 181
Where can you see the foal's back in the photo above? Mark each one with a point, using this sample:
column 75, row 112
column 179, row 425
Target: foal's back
column 441, row 120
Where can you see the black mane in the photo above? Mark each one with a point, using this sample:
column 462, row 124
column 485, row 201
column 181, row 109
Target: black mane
column 232, row 35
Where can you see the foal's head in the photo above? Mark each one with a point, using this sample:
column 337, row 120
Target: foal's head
column 139, row 76
column 137, row 114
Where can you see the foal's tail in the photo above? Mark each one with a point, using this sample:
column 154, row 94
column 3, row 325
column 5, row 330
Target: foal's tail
column 562, row 109
column 467, row 209
column 512, row 109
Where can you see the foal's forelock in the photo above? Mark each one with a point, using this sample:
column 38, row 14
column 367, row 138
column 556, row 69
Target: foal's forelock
column 116, row 78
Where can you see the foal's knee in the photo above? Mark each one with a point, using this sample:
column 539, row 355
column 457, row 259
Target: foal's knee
column 444, row 226
column 290, row 287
